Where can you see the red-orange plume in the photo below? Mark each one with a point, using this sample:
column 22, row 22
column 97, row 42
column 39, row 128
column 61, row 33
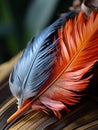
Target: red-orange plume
column 79, row 52
column 76, row 52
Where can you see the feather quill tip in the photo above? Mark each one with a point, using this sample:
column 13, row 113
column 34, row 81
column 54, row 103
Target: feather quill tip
column 25, row 106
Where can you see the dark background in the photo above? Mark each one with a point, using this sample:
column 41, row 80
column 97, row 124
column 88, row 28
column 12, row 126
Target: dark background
column 21, row 19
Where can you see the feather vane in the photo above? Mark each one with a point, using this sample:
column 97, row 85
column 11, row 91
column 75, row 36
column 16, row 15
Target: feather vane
column 34, row 67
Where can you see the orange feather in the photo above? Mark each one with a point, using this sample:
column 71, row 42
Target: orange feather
column 78, row 51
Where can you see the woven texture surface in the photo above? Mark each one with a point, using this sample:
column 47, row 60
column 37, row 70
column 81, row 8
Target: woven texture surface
column 84, row 116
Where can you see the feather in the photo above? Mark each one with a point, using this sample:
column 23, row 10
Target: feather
column 60, row 57
column 34, row 67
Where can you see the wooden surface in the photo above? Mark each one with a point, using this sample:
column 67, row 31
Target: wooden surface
column 82, row 117
column 6, row 68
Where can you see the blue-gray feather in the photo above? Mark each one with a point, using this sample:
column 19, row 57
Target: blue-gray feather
column 34, row 67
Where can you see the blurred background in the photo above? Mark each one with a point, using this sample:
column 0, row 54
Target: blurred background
column 22, row 19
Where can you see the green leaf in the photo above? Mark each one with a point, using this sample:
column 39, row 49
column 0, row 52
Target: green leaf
column 7, row 28
column 38, row 15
